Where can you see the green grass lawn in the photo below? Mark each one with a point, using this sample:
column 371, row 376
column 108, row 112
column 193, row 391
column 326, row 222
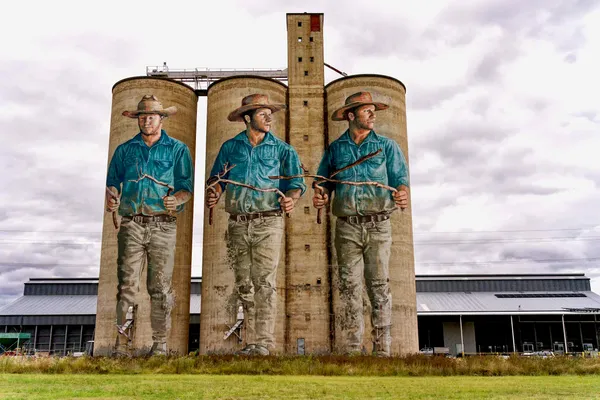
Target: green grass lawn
column 162, row 386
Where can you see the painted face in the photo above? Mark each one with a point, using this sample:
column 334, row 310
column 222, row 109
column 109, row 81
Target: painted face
column 150, row 124
column 364, row 116
column 261, row 120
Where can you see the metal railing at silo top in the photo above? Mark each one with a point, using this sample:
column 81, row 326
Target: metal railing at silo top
column 201, row 78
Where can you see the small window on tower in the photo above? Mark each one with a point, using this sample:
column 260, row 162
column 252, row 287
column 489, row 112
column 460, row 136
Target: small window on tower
column 305, row 138
column 311, row 39
column 312, row 59
column 305, row 73
column 299, row 59
column 305, row 102
column 299, row 23
column 299, row 38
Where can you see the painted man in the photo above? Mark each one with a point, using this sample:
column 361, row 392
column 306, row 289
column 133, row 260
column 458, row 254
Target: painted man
column 363, row 231
column 151, row 178
column 255, row 226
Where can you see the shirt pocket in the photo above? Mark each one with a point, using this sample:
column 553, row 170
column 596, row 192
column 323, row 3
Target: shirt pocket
column 239, row 159
column 163, row 170
column 131, row 167
column 376, row 168
column 341, row 161
column 268, row 161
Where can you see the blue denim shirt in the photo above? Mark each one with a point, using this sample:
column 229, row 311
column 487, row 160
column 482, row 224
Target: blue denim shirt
column 168, row 160
column 253, row 166
column 388, row 167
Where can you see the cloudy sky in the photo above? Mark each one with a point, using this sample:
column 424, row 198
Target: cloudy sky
column 502, row 112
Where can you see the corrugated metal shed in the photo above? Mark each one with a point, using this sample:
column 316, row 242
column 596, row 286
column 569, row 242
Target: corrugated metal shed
column 482, row 303
column 499, row 283
column 66, row 305
column 52, row 305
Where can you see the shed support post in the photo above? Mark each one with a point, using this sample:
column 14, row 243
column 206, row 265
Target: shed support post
column 50, row 340
column 462, row 339
column 81, row 338
column 512, row 331
column 66, row 337
column 565, row 334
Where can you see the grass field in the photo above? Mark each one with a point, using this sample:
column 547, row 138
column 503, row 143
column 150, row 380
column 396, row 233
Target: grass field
column 410, row 366
column 163, row 386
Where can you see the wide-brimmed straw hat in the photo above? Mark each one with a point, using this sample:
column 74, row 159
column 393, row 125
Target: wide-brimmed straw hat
column 253, row 102
column 356, row 100
column 150, row 105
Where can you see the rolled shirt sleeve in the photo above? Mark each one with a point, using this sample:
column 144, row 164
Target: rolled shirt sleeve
column 183, row 170
column 219, row 165
column 115, row 174
column 290, row 165
column 326, row 170
column 397, row 169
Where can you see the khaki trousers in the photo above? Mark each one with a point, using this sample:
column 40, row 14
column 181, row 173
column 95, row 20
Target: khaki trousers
column 254, row 248
column 363, row 251
column 152, row 244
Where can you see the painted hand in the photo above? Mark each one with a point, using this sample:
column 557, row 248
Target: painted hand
column 401, row 198
column 170, row 203
column 112, row 202
column 320, row 200
column 287, row 204
column 212, row 198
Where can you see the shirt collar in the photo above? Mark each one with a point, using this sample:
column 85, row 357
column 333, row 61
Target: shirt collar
column 371, row 137
column 164, row 139
column 269, row 139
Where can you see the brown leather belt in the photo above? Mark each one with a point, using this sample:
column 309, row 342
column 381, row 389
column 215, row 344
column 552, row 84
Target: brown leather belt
column 253, row 216
column 145, row 219
column 363, row 219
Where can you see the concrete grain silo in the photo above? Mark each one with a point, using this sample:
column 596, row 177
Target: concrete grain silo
column 182, row 126
column 392, row 124
column 220, row 302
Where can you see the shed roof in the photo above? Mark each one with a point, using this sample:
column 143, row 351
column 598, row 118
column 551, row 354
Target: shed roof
column 486, row 303
column 66, row 305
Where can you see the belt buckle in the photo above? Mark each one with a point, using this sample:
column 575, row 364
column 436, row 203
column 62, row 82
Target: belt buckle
column 372, row 220
column 242, row 218
column 353, row 219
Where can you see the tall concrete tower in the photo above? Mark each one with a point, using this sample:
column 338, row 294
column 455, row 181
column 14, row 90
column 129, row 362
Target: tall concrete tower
column 308, row 281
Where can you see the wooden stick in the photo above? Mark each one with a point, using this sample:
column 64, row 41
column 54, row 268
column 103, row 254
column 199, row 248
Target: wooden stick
column 322, row 178
column 114, row 213
column 146, row 176
column 317, row 187
column 355, row 163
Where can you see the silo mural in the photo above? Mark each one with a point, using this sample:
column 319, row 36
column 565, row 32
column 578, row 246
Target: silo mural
column 374, row 289
column 146, row 246
column 243, row 273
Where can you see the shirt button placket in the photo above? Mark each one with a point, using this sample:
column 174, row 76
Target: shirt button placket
column 248, row 197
